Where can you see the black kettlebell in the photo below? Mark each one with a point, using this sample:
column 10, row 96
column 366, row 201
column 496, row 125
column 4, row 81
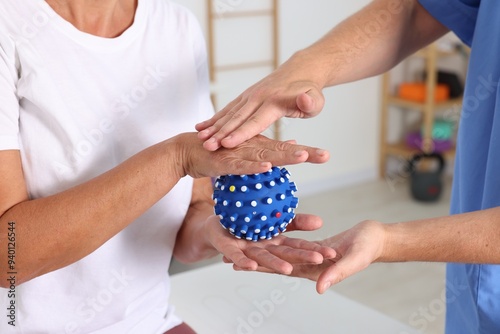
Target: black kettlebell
column 426, row 186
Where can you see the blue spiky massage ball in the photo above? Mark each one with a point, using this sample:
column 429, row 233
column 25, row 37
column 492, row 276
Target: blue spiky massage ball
column 256, row 206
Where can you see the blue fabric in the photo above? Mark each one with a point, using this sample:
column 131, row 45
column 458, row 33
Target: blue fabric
column 473, row 291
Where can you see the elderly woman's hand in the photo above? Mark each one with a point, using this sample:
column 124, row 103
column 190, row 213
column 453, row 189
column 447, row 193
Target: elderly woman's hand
column 278, row 255
column 255, row 155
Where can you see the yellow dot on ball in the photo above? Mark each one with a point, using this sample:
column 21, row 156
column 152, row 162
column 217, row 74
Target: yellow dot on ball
column 232, row 189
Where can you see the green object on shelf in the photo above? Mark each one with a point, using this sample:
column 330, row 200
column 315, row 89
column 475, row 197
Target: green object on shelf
column 442, row 130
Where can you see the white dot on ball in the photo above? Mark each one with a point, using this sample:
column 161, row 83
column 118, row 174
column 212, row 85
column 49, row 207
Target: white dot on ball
column 254, row 203
column 263, row 218
column 282, row 196
column 244, row 188
column 282, row 179
column 238, row 204
column 269, row 201
column 247, row 219
column 222, row 187
column 258, row 186
column 225, row 203
column 272, row 183
column 271, row 228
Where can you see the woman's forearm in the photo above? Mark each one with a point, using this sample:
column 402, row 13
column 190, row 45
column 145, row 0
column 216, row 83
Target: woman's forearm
column 55, row 231
column 467, row 238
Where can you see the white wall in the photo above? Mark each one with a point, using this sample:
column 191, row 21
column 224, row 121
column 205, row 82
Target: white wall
column 348, row 126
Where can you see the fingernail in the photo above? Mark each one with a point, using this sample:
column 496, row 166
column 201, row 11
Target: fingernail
column 299, row 153
column 320, row 152
column 327, row 286
column 211, row 141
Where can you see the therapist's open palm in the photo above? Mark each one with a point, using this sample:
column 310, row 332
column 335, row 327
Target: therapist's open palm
column 356, row 249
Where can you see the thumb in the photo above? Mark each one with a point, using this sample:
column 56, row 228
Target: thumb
column 310, row 103
column 337, row 272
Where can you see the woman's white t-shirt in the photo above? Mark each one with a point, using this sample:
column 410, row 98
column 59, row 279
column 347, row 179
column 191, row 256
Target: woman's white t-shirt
column 77, row 105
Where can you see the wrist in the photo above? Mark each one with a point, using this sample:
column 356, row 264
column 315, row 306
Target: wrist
column 211, row 230
column 395, row 238
column 307, row 66
column 178, row 149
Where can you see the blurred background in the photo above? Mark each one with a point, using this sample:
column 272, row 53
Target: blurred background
column 372, row 128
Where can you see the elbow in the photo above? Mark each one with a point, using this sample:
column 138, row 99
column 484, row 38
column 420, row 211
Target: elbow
column 11, row 280
column 7, row 283
column 16, row 275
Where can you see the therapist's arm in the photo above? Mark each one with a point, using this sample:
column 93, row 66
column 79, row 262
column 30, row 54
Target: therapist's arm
column 464, row 238
column 368, row 43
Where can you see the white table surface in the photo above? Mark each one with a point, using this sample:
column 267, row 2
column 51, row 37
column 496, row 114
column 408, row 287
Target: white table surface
column 217, row 300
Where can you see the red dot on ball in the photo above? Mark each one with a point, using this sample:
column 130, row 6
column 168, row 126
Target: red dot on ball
column 278, row 214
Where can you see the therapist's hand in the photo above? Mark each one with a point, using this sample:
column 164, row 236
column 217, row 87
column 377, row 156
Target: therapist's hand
column 278, row 255
column 355, row 250
column 284, row 93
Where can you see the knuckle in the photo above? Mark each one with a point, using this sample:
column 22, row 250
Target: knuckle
column 282, row 146
column 262, row 154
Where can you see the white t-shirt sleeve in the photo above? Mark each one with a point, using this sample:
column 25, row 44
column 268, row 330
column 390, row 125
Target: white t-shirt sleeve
column 9, row 104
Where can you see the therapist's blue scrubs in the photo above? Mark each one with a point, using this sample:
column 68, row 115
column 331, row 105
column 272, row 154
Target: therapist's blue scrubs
column 473, row 291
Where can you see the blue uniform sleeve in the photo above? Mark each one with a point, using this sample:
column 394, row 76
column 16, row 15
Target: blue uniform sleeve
column 459, row 16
